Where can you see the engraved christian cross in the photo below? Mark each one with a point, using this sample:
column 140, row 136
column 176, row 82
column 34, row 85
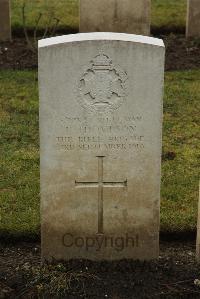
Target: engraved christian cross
column 100, row 184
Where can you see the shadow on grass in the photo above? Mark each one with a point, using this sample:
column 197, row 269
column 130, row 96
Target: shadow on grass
column 19, row 31
column 155, row 30
column 6, row 237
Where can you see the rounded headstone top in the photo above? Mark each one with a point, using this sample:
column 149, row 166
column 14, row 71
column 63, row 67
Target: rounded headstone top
column 80, row 37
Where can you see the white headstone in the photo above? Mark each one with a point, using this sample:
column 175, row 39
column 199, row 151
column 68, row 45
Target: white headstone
column 5, row 26
column 193, row 19
column 129, row 16
column 100, row 144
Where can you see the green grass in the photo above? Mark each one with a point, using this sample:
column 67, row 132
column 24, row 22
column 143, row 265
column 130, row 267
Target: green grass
column 169, row 13
column 165, row 13
column 67, row 11
column 19, row 181
column 181, row 135
column 19, row 201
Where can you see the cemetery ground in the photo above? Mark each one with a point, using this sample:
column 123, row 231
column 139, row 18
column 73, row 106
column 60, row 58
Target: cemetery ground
column 173, row 275
column 20, row 153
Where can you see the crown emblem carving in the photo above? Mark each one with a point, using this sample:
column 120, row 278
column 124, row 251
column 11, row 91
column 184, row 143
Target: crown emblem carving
column 102, row 87
column 101, row 61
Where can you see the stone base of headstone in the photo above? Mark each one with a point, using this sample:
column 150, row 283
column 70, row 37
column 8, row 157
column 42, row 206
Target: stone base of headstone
column 198, row 232
column 126, row 16
column 193, row 19
column 5, row 24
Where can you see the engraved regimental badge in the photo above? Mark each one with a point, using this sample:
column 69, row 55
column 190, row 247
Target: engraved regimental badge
column 102, row 87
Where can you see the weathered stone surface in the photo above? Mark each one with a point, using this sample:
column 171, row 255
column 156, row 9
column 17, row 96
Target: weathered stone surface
column 5, row 26
column 100, row 138
column 193, row 18
column 129, row 16
column 198, row 231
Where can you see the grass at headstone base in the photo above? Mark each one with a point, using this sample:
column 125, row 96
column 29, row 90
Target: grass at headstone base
column 19, row 180
column 165, row 13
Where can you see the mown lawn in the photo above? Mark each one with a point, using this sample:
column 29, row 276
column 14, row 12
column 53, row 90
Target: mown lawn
column 19, row 181
column 168, row 14
column 181, row 137
column 165, row 13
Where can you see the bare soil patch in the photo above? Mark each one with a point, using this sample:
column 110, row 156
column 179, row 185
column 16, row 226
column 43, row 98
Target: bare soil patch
column 172, row 276
column 181, row 54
